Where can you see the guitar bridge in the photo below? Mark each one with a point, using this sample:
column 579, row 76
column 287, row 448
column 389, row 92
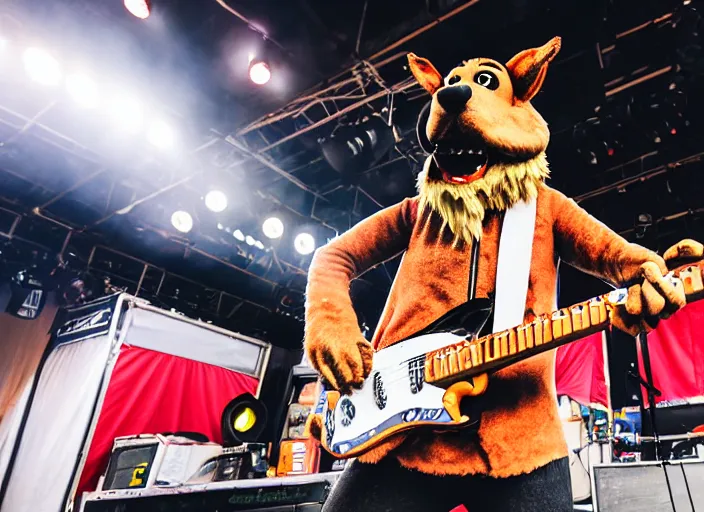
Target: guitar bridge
column 416, row 373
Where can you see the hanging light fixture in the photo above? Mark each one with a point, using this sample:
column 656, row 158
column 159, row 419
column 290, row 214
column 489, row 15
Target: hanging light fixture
column 259, row 71
column 138, row 8
column 273, row 227
column 182, row 221
column 304, row 243
column 354, row 148
column 216, row 201
column 41, row 66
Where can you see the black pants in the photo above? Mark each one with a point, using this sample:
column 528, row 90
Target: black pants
column 389, row 487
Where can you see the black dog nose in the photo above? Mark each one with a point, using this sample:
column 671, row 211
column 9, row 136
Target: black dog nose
column 454, row 98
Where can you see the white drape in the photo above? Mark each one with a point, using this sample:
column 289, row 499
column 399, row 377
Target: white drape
column 59, row 416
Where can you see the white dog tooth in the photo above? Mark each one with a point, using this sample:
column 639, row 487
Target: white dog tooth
column 459, row 152
column 470, row 151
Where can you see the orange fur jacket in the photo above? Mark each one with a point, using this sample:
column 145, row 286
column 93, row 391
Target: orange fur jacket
column 521, row 430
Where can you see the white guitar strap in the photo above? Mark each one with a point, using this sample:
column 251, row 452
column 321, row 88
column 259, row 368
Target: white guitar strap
column 513, row 267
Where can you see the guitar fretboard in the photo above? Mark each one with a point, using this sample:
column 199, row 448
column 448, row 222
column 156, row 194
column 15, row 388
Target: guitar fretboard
column 490, row 353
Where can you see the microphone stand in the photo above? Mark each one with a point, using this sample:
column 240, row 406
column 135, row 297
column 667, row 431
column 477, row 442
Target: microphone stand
column 651, row 390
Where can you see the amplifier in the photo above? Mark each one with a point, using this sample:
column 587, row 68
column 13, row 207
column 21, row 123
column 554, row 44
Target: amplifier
column 671, row 486
column 146, row 460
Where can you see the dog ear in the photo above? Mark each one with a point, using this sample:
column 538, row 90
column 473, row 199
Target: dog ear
column 529, row 67
column 428, row 77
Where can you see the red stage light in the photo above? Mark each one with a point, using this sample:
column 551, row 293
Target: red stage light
column 673, row 131
column 138, row 8
column 610, row 151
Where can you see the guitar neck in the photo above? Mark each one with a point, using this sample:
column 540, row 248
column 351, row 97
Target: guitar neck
column 468, row 358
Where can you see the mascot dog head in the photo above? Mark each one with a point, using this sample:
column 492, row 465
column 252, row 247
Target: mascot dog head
column 487, row 141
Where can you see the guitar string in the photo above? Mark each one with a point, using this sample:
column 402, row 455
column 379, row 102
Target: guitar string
column 404, row 368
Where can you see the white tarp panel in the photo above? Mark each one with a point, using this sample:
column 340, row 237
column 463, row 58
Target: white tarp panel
column 162, row 333
column 9, row 426
column 59, row 416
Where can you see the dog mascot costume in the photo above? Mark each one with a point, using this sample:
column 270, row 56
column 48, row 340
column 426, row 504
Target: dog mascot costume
column 484, row 178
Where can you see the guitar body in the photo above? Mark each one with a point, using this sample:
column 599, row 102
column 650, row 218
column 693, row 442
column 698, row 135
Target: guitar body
column 395, row 396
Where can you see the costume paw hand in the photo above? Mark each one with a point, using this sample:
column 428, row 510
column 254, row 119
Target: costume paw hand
column 686, row 251
column 315, row 426
column 648, row 302
column 344, row 364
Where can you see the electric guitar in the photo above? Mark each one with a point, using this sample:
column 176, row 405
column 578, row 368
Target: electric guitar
column 421, row 381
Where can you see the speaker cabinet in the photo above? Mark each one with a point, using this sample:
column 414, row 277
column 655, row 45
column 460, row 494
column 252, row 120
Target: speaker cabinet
column 673, row 486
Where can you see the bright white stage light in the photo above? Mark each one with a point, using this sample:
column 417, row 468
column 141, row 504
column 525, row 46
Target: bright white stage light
column 304, row 243
column 273, row 227
column 41, row 66
column 161, row 135
column 82, row 89
column 259, row 72
column 220, row 226
column 238, row 235
column 216, row 201
column 182, row 221
column 250, row 240
column 138, row 8
column 127, row 113
column 259, row 245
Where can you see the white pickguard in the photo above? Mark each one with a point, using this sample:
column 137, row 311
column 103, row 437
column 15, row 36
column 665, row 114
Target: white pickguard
column 391, row 366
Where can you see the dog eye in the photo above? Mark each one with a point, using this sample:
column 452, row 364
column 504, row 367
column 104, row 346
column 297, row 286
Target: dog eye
column 487, row 79
column 453, row 79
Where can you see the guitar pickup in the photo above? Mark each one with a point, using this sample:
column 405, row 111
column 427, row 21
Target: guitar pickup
column 416, row 374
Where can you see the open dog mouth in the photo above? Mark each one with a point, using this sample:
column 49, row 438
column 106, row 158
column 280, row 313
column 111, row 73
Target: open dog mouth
column 460, row 165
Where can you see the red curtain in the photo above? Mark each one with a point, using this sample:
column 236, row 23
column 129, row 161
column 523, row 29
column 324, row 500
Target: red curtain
column 676, row 350
column 579, row 371
column 676, row 354
column 152, row 392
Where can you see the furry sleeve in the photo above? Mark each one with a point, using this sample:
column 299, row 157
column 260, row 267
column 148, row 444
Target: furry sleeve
column 329, row 311
column 587, row 244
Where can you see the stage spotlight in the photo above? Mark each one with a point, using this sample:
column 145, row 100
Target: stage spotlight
column 238, row 235
column 161, row 135
column 82, row 90
column 41, row 66
column 259, row 245
column 216, row 201
column 304, row 243
column 138, row 8
column 182, row 221
column 127, row 112
column 243, row 420
column 354, row 148
column 220, row 226
column 259, row 71
column 250, row 240
column 273, row 227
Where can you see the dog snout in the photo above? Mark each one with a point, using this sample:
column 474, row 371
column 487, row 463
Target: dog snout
column 453, row 98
